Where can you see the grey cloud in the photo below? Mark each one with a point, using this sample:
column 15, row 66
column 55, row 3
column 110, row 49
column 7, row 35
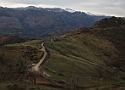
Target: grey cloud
column 52, row 2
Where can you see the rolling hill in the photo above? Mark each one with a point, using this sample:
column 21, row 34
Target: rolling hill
column 91, row 57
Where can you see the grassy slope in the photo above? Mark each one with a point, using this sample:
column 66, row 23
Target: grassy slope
column 82, row 56
column 13, row 55
column 72, row 58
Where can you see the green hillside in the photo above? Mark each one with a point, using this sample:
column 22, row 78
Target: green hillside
column 75, row 58
column 89, row 58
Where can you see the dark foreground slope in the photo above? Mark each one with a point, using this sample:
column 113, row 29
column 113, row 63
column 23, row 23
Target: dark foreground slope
column 90, row 58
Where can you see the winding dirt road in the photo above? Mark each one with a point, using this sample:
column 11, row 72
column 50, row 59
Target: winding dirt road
column 36, row 67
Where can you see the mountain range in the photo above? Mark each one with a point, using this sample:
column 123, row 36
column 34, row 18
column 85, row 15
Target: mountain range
column 32, row 22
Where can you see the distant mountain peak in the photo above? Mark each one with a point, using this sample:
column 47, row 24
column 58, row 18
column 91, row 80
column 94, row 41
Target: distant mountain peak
column 48, row 9
column 28, row 8
column 70, row 10
column 32, row 7
column 55, row 9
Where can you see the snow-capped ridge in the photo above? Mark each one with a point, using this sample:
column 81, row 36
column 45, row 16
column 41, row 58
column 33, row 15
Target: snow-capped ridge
column 70, row 10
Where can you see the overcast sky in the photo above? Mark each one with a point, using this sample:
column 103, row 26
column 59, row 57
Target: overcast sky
column 106, row 7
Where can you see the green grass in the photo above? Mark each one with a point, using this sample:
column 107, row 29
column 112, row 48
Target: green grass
column 32, row 43
column 81, row 57
column 78, row 58
column 13, row 55
column 16, row 50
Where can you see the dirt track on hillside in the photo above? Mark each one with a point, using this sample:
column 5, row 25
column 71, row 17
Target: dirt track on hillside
column 36, row 67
